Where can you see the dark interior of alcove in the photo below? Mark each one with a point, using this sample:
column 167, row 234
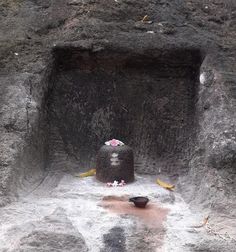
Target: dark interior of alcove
column 145, row 100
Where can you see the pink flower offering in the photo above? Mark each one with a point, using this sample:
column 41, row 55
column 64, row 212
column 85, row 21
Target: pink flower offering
column 122, row 183
column 116, row 183
column 114, row 142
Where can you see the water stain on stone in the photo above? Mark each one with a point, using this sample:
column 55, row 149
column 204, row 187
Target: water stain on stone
column 114, row 241
column 149, row 230
column 153, row 215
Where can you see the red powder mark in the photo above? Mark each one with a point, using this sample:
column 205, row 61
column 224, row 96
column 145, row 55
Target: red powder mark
column 153, row 216
column 151, row 219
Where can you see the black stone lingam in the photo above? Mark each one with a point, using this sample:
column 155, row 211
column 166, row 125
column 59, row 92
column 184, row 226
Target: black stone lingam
column 115, row 163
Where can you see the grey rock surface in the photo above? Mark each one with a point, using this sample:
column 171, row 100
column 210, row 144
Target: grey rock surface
column 37, row 36
column 64, row 213
column 114, row 240
column 53, row 233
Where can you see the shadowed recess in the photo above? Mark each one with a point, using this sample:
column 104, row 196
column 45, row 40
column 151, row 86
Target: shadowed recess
column 146, row 101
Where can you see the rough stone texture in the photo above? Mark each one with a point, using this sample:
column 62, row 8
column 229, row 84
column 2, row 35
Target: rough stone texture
column 75, row 210
column 145, row 100
column 115, row 163
column 115, row 240
column 53, row 233
column 31, row 29
column 22, row 137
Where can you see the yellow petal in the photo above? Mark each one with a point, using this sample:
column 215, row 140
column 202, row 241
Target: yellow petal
column 91, row 172
column 145, row 18
column 205, row 222
column 165, row 185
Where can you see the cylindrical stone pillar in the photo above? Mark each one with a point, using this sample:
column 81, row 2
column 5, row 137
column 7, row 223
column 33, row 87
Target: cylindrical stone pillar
column 115, row 163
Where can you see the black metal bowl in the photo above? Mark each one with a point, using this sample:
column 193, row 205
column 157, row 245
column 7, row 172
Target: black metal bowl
column 140, row 202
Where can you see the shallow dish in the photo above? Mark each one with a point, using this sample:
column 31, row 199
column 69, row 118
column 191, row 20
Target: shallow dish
column 140, row 202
